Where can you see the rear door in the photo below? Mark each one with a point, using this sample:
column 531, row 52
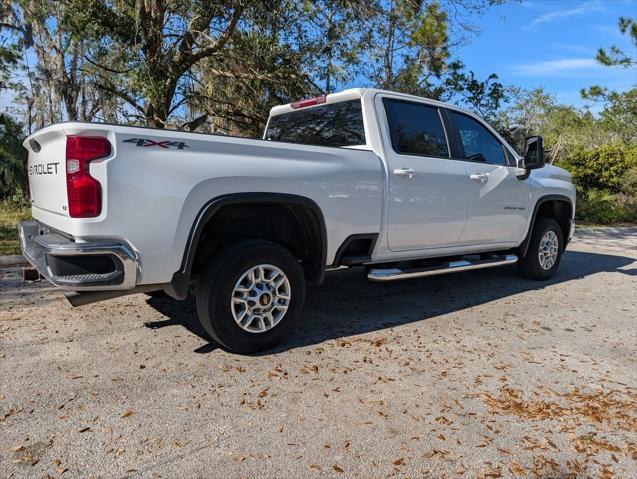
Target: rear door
column 427, row 189
column 497, row 198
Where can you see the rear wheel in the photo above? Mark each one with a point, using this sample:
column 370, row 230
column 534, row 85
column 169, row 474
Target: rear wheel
column 250, row 295
column 545, row 250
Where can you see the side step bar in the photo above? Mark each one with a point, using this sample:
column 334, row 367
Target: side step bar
column 393, row 274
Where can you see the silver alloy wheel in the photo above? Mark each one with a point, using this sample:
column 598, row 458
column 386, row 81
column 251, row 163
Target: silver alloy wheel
column 260, row 298
column 549, row 249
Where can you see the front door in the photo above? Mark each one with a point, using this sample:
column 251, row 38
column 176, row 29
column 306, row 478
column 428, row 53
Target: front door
column 427, row 189
column 498, row 199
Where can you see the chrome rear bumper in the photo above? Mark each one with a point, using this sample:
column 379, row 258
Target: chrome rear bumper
column 91, row 266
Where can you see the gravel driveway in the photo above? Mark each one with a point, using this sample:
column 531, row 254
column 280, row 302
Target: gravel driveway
column 480, row 374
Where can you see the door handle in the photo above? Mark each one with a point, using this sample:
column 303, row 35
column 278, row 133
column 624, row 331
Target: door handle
column 408, row 172
column 481, row 177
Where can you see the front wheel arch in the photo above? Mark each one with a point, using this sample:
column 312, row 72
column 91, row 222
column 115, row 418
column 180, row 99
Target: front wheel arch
column 557, row 207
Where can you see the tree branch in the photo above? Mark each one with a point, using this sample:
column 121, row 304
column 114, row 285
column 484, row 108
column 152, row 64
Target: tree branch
column 123, row 95
column 185, row 62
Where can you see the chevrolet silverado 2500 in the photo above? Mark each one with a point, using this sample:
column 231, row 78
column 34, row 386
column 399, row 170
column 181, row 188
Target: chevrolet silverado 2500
column 401, row 185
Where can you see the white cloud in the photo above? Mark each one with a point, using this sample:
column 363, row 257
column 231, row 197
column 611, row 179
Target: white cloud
column 576, row 49
column 556, row 67
column 582, row 9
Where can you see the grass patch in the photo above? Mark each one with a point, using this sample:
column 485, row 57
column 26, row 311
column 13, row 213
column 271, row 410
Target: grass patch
column 10, row 214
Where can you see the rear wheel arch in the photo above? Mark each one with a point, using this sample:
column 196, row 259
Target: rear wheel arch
column 557, row 207
column 294, row 221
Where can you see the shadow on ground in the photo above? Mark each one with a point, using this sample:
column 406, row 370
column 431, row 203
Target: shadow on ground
column 348, row 305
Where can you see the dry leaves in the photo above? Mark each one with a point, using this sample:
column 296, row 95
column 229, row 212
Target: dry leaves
column 599, row 407
column 57, row 465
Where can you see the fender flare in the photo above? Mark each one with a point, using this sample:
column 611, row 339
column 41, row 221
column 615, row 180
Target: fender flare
column 524, row 246
column 178, row 287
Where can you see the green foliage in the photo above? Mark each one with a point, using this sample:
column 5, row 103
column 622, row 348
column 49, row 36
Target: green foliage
column 242, row 92
column 409, row 47
column 156, row 44
column 13, row 175
column 330, row 36
column 485, row 97
column 624, row 103
column 563, row 127
column 615, row 56
column 13, row 209
column 620, row 115
column 566, row 128
column 604, row 207
column 606, row 181
column 602, row 168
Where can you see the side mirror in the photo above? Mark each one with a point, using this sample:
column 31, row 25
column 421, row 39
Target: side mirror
column 534, row 154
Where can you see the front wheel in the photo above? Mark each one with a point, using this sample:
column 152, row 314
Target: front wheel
column 545, row 250
column 250, row 295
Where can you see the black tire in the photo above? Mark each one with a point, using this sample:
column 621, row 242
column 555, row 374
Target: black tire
column 215, row 293
column 530, row 266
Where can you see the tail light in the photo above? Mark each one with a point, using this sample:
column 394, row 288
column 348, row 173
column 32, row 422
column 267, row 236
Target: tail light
column 84, row 193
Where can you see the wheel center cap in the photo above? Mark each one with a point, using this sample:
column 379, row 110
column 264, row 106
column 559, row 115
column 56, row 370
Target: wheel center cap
column 265, row 299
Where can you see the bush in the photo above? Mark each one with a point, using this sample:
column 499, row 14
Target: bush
column 13, row 209
column 13, row 171
column 605, row 207
column 603, row 168
column 606, row 181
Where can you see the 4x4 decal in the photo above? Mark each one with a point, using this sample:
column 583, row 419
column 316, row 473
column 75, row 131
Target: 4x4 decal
column 145, row 142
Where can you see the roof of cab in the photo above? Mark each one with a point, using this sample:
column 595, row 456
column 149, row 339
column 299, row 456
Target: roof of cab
column 355, row 93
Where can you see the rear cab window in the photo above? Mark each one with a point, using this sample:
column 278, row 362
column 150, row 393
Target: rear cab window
column 333, row 124
column 416, row 129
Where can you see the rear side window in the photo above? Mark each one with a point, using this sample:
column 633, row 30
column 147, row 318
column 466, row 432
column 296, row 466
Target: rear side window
column 416, row 129
column 478, row 142
column 335, row 124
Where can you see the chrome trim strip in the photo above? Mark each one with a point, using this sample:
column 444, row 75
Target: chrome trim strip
column 36, row 246
column 394, row 274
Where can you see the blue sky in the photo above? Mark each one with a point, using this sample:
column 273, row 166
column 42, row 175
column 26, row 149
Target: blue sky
column 551, row 43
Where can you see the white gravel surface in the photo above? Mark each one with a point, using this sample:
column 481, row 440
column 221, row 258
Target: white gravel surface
column 479, row 374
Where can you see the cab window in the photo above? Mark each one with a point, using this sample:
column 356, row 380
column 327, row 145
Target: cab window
column 416, row 129
column 478, row 142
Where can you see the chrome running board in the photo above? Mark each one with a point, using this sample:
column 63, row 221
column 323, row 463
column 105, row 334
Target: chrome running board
column 393, row 274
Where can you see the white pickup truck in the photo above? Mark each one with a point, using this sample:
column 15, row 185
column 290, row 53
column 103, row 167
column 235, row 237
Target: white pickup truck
column 401, row 185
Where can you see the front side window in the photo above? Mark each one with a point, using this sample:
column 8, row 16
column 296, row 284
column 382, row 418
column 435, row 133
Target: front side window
column 415, row 129
column 478, row 142
column 333, row 124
